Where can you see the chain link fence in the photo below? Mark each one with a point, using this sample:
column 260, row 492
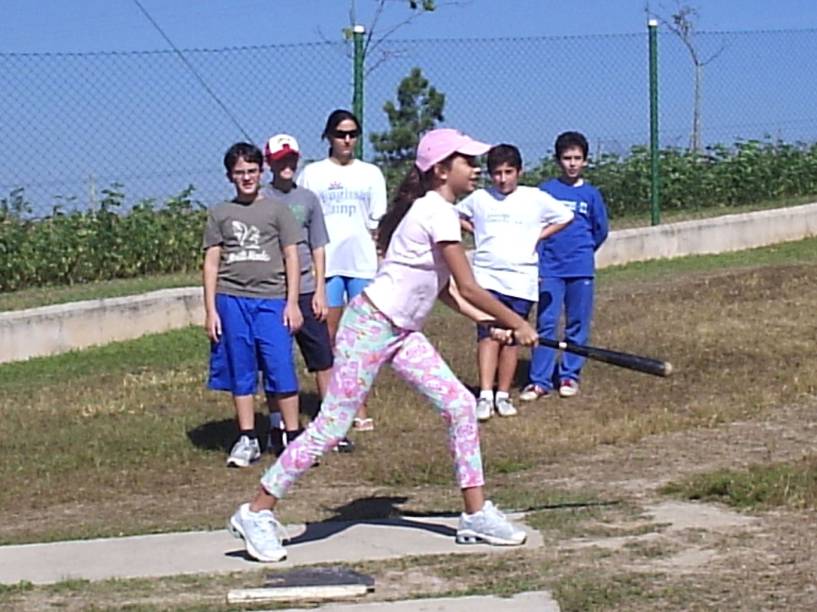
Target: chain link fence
column 153, row 123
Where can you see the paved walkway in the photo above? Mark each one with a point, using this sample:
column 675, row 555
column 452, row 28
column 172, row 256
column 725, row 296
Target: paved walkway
column 539, row 601
column 217, row 551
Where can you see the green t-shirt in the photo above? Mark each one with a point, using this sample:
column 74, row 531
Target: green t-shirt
column 251, row 237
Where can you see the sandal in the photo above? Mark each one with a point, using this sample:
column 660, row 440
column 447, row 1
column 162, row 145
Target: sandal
column 366, row 424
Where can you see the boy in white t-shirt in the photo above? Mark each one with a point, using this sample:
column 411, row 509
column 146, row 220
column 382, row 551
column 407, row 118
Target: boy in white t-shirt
column 507, row 221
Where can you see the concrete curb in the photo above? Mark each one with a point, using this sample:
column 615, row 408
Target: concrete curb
column 50, row 330
column 709, row 236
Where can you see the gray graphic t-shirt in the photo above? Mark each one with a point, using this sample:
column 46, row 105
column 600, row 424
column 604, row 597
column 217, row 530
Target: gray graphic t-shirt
column 251, row 237
column 306, row 208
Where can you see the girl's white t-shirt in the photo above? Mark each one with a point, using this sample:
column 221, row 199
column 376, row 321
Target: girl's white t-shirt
column 353, row 198
column 413, row 272
column 506, row 231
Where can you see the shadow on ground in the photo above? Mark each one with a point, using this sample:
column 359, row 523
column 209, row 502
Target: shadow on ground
column 379, row 510
column 220, row 435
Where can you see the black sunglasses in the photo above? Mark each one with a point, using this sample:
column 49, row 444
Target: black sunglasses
column 342, row 134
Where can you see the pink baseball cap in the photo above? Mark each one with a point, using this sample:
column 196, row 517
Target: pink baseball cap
column 281, row 145
column 438, row 144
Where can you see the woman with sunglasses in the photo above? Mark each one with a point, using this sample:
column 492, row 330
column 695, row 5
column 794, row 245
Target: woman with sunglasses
column 353, row 197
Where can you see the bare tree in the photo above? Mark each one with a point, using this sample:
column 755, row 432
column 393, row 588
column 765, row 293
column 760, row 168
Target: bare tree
column 683, row 24
column 375, row 51
column 373, row 42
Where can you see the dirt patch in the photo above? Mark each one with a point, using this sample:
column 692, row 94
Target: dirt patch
column 734, row 560
column 682, row 515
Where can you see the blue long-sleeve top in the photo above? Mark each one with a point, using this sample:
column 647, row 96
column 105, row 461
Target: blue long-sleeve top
column 570, row 252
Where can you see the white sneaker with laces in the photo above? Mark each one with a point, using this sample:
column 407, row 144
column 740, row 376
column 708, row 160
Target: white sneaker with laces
column 504, row 407
column 245, row 451
column 261, row 532
column 484, row 408
column 489, row 525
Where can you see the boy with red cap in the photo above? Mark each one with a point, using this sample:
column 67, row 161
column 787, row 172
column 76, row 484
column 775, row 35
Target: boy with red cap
column 282, row 153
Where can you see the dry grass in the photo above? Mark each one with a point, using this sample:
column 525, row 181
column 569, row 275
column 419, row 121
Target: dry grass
column 131, row 427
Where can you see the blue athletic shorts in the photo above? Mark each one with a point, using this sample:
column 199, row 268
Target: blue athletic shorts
column 253, row 338
column 340, row 287
column 520, row 306
column 313, row 338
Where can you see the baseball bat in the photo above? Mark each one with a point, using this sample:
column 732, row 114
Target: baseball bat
column 648, row 365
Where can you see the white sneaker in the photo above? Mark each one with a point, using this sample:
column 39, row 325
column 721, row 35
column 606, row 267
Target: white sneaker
column 489, row 525
column 484, row 408
column 504, row 407
column 245, row 452
column 533, row 392
column 261, row 532
column 568, row 388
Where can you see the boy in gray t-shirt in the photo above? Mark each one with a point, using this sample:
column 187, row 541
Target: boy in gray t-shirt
column 282, row 154
column 251, row 287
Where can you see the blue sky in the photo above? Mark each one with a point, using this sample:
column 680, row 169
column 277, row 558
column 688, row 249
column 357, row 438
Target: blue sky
column 118, row 25
column 516, row 71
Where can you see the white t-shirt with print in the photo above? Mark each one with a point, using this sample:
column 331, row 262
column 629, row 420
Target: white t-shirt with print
column 506, row 230
column 353, row 198
column 413, row 272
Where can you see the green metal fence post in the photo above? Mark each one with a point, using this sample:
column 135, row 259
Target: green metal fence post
column 357, row 99
column 655, row 195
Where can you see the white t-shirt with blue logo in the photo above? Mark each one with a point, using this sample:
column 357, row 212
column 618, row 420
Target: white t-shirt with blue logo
column 506, row 232
column 353, row 198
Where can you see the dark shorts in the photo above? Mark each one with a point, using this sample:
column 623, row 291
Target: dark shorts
column 253, row 337
column 520, row 306
column 313, row 337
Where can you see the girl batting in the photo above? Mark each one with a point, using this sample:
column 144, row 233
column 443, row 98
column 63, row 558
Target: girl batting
column 421, row 239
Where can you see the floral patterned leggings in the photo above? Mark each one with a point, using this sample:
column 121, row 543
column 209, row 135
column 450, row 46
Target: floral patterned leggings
column 366, row 340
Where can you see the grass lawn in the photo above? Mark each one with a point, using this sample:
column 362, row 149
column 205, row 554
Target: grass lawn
column 125, row 439
column 675, row 216
column 45, row 296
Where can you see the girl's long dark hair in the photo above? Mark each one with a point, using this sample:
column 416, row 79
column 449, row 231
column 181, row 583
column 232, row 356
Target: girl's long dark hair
column 414, row 185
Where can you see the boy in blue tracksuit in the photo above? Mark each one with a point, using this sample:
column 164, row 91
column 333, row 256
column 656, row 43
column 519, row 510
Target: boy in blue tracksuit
column 566, row 271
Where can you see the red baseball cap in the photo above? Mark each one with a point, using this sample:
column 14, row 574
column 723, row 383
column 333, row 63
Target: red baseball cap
column 281, row 145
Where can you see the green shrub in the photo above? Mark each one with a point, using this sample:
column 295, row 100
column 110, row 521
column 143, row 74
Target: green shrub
column 747, row 172
column 109, row 242
column 103, row 243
